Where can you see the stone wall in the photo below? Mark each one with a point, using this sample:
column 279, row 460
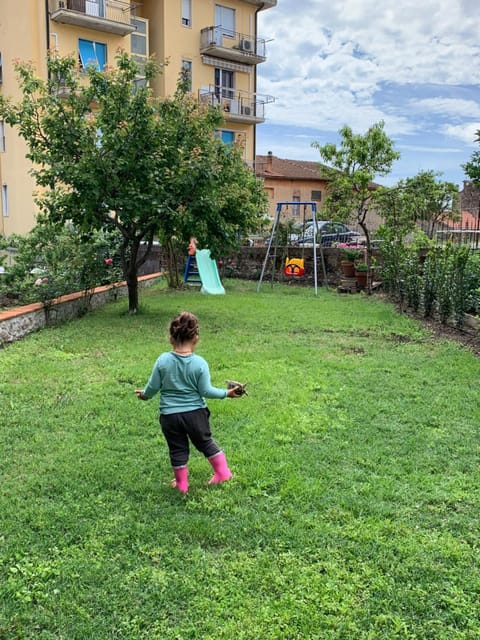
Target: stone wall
column 17, row 323
column 247, row 264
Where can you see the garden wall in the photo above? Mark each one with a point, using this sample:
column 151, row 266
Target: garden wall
column 18, row 322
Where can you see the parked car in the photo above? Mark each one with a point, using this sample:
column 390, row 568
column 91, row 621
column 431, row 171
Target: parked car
column 328, row 233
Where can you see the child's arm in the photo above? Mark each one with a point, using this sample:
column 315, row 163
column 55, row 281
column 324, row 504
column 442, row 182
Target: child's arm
column 207, row 390
column 152, row 387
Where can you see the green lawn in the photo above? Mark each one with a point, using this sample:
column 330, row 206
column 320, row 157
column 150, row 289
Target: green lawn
column 355, row 506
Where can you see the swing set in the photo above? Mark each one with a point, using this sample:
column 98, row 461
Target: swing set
column 294, row 267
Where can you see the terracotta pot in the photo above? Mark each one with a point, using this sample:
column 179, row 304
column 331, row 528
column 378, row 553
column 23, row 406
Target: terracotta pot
column 361, row 277
column 348, row 269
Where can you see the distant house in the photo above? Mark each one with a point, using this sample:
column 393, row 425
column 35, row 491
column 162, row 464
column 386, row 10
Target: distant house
column 299, row 181
column 292, row 181
column 470, row 202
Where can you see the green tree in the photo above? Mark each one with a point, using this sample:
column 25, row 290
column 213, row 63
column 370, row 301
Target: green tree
column 354, row 164
column 472, row 168
column 435, row 201
column 212, row 195
column 107, row 155
column 412, row 200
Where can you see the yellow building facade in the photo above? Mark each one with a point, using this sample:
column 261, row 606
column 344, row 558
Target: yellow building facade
column 216, row 42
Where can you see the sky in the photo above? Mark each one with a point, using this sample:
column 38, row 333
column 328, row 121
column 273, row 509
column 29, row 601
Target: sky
column 415, row 64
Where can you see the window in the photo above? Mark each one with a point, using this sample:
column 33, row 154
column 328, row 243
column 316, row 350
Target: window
column 187, row 73
column 227, row 137
column 296, row 207
column 1, row 70
column 95, row 8
column 2, row 136
column 224, row 84
column 187, row 13
column 139, row 48
column 92, row 53
column 5, row 200
column 225, row 21
column 316, row 196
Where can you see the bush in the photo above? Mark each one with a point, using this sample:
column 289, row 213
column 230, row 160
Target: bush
column 54, row 261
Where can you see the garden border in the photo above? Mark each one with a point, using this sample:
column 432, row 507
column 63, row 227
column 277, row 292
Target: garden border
column 20, row 321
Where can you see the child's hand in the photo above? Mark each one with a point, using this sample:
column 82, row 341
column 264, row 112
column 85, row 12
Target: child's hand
column 236, row 389
column 138, row 393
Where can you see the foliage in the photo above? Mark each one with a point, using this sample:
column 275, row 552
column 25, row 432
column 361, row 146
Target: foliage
column 361, row 266
column 355, row 163
column 430, row 280
column 284, row 232
column 354, row 508
column 472, row 168
column 108, row 156
column 434, row 201
column 53, row 260
column 472, row 284
column 350, row 254
column 441, row 280
column 459, row 266
column 412, row 278
column 212, row 195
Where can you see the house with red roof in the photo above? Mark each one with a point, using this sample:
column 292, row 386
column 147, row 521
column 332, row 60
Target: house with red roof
column 299, row 181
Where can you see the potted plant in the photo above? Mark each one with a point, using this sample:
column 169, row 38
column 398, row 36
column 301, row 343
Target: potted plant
column 349, row 255
column 361, row 271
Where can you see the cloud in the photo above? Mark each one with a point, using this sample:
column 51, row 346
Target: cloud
column 466, row 132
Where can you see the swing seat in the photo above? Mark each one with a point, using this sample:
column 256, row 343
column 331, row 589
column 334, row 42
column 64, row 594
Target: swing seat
column 294, row 267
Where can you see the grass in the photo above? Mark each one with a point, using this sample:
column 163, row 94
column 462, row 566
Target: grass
column 353, row 513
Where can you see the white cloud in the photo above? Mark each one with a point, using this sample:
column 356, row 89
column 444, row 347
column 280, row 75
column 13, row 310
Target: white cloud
column 466, row 132
column 448, row 106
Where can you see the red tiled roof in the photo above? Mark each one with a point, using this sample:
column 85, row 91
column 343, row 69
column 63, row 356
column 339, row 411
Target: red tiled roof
column 273, row 167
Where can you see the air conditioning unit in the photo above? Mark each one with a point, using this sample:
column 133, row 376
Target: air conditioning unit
column 247, row 45
column 247, row 111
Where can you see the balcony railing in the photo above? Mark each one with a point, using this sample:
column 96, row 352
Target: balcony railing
column 111, row 16
column 230, row 45
column 237, row 105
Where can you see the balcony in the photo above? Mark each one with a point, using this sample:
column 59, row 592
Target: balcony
column 238, row 106
column 230, row 45
column 263, row 4
column 110, row 16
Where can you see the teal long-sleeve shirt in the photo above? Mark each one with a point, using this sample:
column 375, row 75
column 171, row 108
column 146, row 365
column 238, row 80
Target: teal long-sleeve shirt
column 183, row 382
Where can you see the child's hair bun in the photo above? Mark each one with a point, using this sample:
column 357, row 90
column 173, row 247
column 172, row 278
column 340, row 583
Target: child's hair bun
column 184, row 327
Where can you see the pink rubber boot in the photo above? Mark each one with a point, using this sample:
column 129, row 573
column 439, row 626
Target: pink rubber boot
column 220, row 467
column 181, row 479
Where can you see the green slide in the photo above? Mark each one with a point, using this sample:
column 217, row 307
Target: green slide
column 208, row 272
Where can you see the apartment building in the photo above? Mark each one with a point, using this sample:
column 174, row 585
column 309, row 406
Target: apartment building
column 216, row 42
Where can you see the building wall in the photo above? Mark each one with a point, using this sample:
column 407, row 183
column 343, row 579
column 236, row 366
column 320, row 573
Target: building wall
column 23, row 36
column 287, row 190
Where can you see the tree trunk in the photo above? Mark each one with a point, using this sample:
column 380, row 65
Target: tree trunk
column 129, row 253
column 368, row 255
column 132, row 284
column 173, row 275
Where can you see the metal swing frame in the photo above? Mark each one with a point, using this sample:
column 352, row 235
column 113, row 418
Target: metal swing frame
column 274, row 235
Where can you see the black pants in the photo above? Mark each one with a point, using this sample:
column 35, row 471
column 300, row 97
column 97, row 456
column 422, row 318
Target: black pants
column 180, row 428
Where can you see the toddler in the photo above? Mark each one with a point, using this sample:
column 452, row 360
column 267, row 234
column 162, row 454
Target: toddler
column 183, row 379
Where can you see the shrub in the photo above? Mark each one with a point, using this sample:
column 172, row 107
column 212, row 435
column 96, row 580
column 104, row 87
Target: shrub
column 53, row 261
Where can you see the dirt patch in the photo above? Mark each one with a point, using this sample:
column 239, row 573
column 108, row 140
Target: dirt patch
column 469, row 338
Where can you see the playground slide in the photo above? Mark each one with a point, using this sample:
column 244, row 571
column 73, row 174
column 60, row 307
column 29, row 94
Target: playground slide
column 207, row 269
